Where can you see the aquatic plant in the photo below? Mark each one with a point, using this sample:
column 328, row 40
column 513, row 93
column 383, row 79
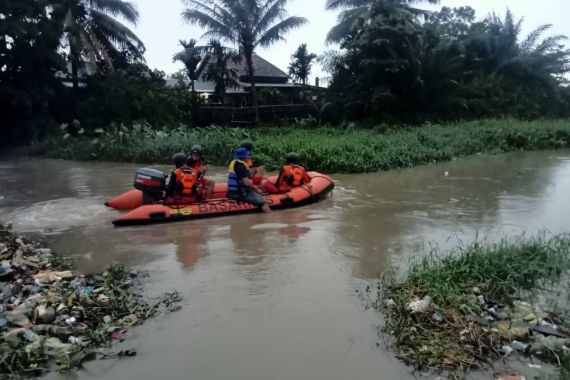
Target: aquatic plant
column 326, row 149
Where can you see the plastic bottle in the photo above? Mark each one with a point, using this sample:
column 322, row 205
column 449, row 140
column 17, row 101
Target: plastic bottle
column 520, row 346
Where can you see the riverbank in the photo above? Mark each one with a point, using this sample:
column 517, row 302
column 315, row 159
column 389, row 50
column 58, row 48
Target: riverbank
column 326, row 149
column 480, row 303
column 54, row 320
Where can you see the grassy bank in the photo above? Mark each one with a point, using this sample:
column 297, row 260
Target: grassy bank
column 458, row 310
column 322, row 148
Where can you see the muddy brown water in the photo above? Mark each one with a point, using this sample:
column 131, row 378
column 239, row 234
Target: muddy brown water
column 275, row 296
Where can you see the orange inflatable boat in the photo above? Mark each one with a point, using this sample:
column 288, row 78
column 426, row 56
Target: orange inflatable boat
column 145, row 210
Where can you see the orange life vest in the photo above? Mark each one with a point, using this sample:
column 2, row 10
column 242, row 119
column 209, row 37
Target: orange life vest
column 291, row 176
column 187, row 178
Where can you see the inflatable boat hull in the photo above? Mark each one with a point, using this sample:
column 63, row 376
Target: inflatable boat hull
column 316, row 190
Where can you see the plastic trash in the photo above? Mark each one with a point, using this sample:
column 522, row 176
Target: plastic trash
column 493, row 312
column 481, row 300
column 507, row 350
column 420, row 306
column 71, row 321
column 107, row 319
column 74, row 340
column 48, row 276
column 509, row 377
column 520, row 346
column 118, row 334
column 390, row 303
column 56, row 348
column 5, row 272
column 31, row 336
column 129, row 320
column 18, row 317
column 549, row 330
column 437, row 317
column 127, row 353
column 103, row 298
column 43, row 314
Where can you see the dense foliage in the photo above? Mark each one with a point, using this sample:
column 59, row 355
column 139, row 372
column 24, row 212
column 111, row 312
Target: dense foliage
column 49, row 46
column 76, row 62
column 395, row 66
column 326, row 149
column 28, row 63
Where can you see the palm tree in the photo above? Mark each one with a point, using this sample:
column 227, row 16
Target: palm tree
column 221, row 68
column 499, row 51
column 190, row 56
column 245, row 23
column 301, row 62
column 94, row 35
column 354, row 13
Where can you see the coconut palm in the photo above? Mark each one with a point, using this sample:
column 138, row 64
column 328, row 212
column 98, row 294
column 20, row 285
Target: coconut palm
column 190, row 56
column 221, row 68
column 301, row 62
column 354, row 13
column 93, row 34
column 245, row 23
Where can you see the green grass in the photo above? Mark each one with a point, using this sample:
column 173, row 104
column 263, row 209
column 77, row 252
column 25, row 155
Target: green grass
column 325, row 149
column 503, row 272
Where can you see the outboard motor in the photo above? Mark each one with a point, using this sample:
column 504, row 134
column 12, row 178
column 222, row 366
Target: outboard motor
column 152, row 183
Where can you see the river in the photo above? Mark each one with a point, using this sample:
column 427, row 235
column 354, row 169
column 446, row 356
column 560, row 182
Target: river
column 277, row 296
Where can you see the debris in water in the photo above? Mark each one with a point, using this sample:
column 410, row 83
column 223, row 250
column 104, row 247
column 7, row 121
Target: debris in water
column 509, row 377
column 43, row 304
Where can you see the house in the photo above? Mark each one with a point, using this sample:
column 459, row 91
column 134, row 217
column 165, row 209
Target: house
column 272, row 84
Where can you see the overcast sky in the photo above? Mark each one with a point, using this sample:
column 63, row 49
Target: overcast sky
column 161, row 26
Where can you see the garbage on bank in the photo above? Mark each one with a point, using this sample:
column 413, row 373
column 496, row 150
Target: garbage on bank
column 53, row 319
column 482, row 330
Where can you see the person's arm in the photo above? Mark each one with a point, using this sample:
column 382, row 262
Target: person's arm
column 279, row 177
column 243, row 173
column 171, row 185
column 306, row 178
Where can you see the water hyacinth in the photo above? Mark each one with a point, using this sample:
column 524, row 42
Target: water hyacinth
column 325, row 149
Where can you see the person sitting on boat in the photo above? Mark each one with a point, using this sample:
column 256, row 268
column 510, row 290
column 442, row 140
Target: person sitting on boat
column 183, row 183
column 240, row 186
column 256, row 173
column 291, row 175
column 196, row 162
column 179, row 160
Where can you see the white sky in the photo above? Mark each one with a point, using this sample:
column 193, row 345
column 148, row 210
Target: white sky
column 160, row 26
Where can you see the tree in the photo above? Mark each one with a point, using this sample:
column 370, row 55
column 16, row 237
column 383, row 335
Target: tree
column 221, row 69
column 356, row 14
column 93, row 34
column 245, row 23
column 394, row 68
column 190, row 56
column 508, row 74
column 301, row 62
column 29, row 60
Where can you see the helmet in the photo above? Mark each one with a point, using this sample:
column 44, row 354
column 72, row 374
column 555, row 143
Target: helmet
column 248, row 145
column 292, row 158
column 178, row 159
column 196, row 149
column 242, row 153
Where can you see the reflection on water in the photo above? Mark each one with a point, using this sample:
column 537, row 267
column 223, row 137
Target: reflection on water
column 272, row 296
